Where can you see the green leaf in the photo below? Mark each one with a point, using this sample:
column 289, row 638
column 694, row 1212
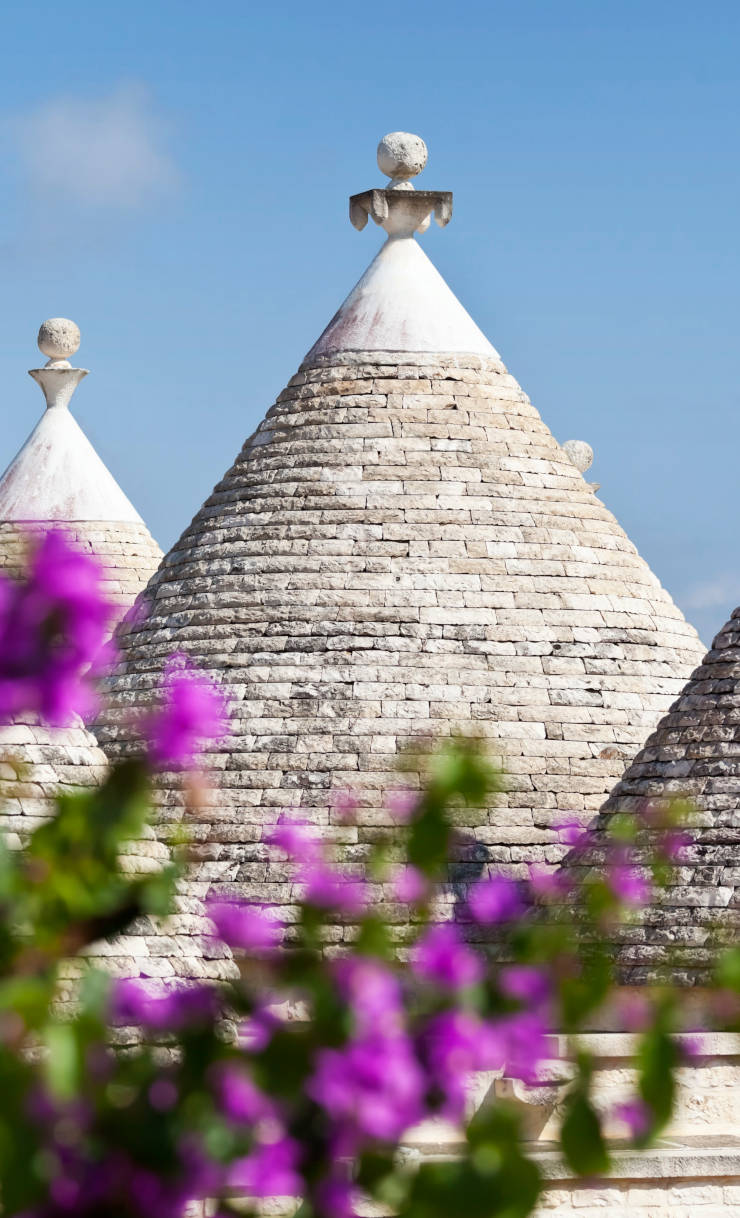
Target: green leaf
column 657, row 1059
column 581, row 1137
column 62, row 1062
column 471, row 1189
column 728, row 969
column 373, row 938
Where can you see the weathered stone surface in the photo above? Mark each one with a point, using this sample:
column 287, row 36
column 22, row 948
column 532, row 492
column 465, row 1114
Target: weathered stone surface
column 401, row 551
column 694, row 751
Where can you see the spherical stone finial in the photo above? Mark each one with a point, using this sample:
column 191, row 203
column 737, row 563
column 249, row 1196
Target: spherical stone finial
column 58, row 338
column 401, row 155
column 580, row 453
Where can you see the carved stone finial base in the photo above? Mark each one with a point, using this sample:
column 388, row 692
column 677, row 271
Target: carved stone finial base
column 401, row 212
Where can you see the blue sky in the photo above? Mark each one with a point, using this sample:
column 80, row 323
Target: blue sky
column 174, row 177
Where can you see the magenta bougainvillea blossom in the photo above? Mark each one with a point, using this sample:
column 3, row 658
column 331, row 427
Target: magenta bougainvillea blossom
column 373, row 993
column 238, row 1096
column 372, row 1087
column 410, row 885
column 381, row 1043
column 54, row 630
column 323, row 885
column 571, row 833
column 547, row 883
column 442, row 956
column 627, row 882
column 270, row 1170
column 192, row 713
column 297, row 838
column 636, row 1115
column 524, row 982
column 496, row 899
column 244, row 926
column 454, row 1045
column 136, row 1002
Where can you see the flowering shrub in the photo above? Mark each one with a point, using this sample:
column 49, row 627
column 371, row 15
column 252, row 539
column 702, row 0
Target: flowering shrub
column 53, row 631
column 302, row 1078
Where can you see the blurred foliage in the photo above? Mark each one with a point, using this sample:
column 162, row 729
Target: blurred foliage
column 97, row 1121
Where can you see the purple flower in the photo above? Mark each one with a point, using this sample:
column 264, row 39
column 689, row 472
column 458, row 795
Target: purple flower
column 455, row 1045
column 525, row 1038
column 636, row 1115
column 441, row 956
column 336, row 1198
column 323, row 885
column 410, row 885
column 257, row 1031
column 54, row 627
column 271, row 1170
column 238, row 1096
column 673, row 843
column 117, row 1183
column 134, row 1003
column 628, row 884
column 525, row 983
column 496, row 899
column 327, row 888
column 244, row 926
column 296, row 838
column 691, row 1046
column 373, row 994
column 572, row 834
column 373, row 1085
column 65, row 1193
column 193, row 712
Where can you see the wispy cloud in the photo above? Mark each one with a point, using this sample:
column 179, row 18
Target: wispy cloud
column 105, row 153
column 723, row 591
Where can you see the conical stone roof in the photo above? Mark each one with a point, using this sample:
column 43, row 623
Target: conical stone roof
column 57, row 480
column 401, row 550
column 693, row 752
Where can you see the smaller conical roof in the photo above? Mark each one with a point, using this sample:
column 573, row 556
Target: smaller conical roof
column 694, row 752
column 57, row 480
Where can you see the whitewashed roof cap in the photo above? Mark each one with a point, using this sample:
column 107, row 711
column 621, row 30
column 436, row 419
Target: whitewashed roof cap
column 57, row 475
column 402, row 303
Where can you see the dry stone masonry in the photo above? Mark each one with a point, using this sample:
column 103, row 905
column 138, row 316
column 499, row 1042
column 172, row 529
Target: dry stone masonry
column 694, row 751
column 401, row 551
